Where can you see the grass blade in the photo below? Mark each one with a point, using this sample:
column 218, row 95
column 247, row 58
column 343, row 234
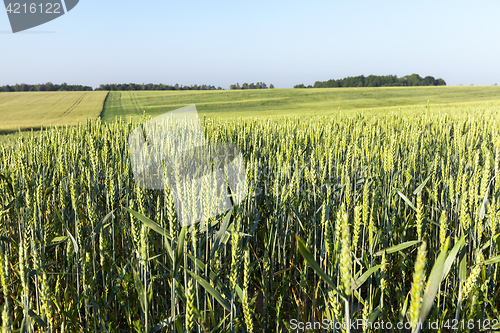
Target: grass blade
column 362, row 279
column 153, row 225
column 310, row 260
column 490, row 261
column 405, row 198
column 398, row 247
column 211, row 290
column 421, row 187
column 452, row 256
column 433, row 283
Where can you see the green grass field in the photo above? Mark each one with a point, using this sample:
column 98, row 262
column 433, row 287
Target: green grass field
column 346, row 218
column 276, row 102
column 31, row 110
column 382, row 211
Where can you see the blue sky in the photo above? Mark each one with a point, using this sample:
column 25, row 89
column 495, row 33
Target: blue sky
column 279, row 42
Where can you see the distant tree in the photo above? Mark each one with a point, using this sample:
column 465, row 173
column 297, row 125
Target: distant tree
column 441, row 82
column 377, row 81
column 271, row 86
column 413, row 80
column 430, row 81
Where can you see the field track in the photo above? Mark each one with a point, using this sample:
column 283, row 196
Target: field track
column 74, row 106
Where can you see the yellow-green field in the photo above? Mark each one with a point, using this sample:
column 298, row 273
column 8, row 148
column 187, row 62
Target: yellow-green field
column 31, row 110
column 302, row 102
column 27, row 110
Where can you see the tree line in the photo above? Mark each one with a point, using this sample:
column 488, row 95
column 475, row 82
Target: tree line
column 151, row 86
column 106, row 87
column 44, row 87
column 377, row 81
column 258, row 85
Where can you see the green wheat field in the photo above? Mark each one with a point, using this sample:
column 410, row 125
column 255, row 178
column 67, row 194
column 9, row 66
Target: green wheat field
column 371, row 204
